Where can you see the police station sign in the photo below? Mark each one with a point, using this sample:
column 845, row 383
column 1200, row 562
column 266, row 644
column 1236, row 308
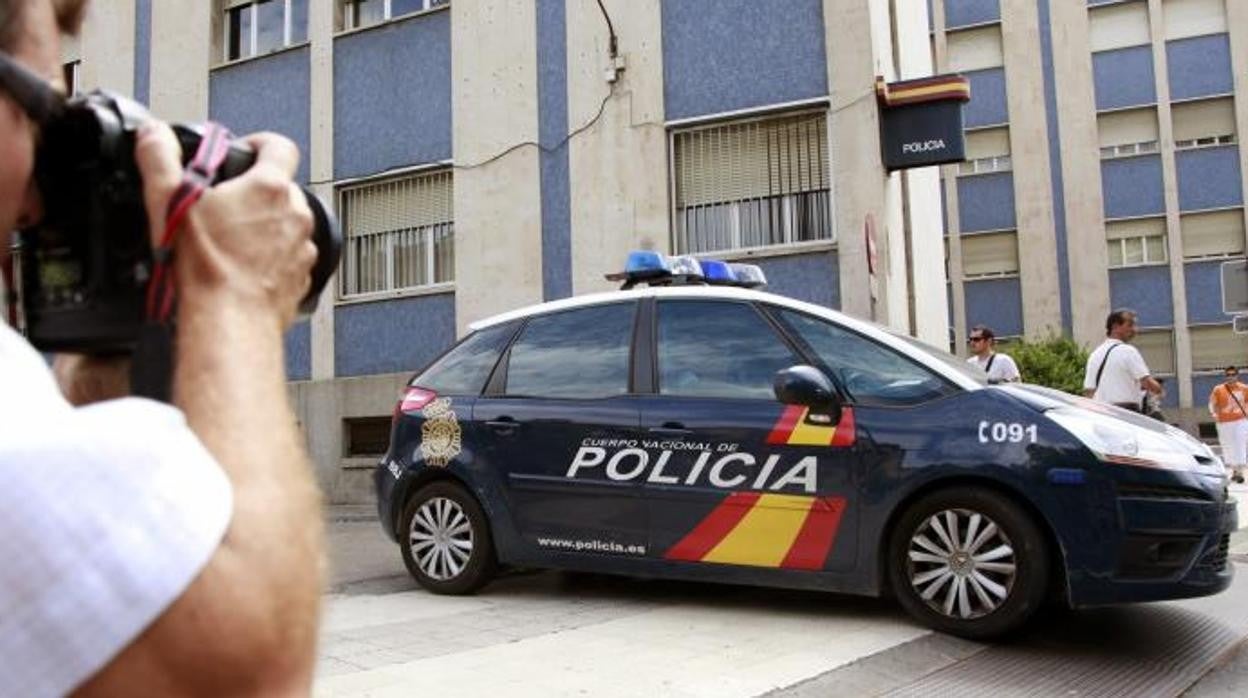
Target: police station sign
column 921, row 121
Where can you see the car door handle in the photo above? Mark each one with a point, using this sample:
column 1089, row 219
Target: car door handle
column 503, row 425
column 671, row 429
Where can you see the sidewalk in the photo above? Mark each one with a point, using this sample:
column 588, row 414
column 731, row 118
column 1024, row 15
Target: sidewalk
column 335, row 513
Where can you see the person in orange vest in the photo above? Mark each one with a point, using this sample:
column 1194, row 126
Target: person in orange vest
column 1227, row 405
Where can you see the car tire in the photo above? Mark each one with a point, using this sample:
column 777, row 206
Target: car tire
column 445, row 539
column 984, row 581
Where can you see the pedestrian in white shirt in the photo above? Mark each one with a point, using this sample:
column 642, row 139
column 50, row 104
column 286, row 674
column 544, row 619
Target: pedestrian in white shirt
column 999, row 367
column 1116, row 372
column 150, row 549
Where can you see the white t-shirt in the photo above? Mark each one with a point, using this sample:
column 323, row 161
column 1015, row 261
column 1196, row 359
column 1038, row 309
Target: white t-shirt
column 107, row 513
column 1003, row 369
column 1124, row 368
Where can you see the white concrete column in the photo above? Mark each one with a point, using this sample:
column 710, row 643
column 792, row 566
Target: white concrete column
column 321, row 18
column 105, row 47
column 923, row 202
column 498, row 222
column 1033, row 183
column 618, row 167
column 1085, row 251
column 950, row 175
column 859, row 181
column 182, row 32
column 1170, row 179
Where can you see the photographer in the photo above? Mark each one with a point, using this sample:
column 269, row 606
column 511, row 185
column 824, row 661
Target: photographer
column 148, row 549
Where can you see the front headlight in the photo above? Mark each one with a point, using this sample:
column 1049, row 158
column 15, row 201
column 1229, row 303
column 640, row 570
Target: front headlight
column 1116, row 441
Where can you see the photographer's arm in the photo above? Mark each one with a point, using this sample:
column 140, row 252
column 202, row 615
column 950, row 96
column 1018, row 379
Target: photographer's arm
column 247, row 624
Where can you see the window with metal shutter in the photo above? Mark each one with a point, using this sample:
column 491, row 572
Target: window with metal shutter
column 1203, row 120
column 1157, row 348
column 987, row 150
column 1118, row 26
column 989, row 254
column 399, row 233
column 975, row 49
column 1127, row 127
column 1213, row 234
column 752, row 183
column 1184, row 18
column 1214, row 347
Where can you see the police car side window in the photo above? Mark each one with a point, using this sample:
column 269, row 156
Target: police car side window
column 872, row 374
column 718, row 349
column 464, row 369
column 580, row 353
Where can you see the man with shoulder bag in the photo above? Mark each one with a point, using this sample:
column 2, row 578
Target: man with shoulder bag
column 1116, row 372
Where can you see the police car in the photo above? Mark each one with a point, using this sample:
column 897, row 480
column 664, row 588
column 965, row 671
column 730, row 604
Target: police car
column 709, row 431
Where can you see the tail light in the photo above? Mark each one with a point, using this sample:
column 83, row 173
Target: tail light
column 412, row 400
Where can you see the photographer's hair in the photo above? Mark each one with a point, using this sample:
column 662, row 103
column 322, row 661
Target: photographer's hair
column 68, row 17
column 1120, row 316
column 984, row 331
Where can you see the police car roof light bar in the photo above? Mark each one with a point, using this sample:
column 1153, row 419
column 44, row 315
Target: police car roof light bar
column 718, row 273
column 749, row 275
column 657, row 269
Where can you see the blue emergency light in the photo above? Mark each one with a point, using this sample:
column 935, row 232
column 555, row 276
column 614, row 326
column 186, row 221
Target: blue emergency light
column 657, row 269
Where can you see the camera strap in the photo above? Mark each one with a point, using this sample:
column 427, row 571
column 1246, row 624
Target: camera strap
column 151, row 373
column 197, row 177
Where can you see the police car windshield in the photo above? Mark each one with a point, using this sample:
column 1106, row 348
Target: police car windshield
column 959, row 365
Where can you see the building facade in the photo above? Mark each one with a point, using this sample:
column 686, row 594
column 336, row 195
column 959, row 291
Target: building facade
column 488, row 154
column 1103, row 170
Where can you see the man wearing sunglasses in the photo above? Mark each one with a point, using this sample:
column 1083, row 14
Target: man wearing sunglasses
column 999, row 367
column 1227, row 405
column 149, row 549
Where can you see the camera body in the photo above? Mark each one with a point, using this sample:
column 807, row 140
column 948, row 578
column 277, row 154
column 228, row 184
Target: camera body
column 84, row 268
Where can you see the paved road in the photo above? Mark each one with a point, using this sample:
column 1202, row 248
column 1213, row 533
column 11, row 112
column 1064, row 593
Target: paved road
column 558, row 634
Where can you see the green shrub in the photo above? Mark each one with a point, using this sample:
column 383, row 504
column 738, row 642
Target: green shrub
column 1056, row 362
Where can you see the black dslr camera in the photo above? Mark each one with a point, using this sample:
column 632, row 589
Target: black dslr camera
column 84, row 269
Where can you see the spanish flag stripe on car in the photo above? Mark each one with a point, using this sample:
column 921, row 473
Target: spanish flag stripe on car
column 767, row 530
column 792, row 429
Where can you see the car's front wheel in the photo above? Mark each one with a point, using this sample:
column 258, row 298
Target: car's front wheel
column 446, row 540
column 969, row 562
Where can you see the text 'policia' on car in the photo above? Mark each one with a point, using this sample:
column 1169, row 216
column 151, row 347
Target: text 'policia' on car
column 695, row 429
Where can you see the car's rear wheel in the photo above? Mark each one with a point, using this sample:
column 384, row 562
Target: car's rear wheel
column 969, row 562
column 446, row 540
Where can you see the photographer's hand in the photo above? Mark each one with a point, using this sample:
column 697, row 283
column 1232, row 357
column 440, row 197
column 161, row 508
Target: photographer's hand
column 242, row 260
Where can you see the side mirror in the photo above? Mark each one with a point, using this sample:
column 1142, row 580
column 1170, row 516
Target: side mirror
column 808, row 387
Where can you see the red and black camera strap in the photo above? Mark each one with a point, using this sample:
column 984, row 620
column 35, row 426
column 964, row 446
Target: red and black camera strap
column 151, row 373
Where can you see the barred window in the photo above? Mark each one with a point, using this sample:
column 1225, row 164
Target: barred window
column 752, row 183
column 399, row 234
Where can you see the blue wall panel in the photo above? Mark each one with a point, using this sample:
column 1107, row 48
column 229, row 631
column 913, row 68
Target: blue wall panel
column 988, row 105
column 959, row 13
column 997, row 303
column 392, row 336
column 1209, row 178
column 986, row 202
column 1132, row 186
column 142, row 50
column 392, row 96
column 271, row 93
column 722, row 55
column 1201, row 387
column 552, row 112
column 1147, row 291
column 1200, row 66
column 1124, row 77
column 1204, row 293
column 814, row 278
column 298, row 342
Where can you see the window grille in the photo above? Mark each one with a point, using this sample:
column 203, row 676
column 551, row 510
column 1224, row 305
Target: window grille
column 752, row 183
column 399, row 234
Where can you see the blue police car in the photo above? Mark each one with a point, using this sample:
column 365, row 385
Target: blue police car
column 705, row 431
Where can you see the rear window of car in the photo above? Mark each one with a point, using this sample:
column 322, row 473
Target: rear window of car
column 465, row 369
